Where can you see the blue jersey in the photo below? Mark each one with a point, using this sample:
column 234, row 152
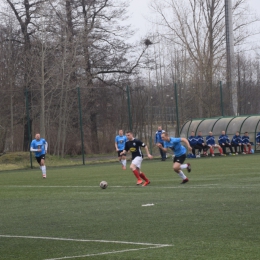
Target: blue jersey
column 192, row 140
column 236, row 139
column 258, row 138
column 120, row 140
column 245, row 139
column 176, row 146
column 223, row 139
column 39, row 144
column 210, row 140
column 200, row 139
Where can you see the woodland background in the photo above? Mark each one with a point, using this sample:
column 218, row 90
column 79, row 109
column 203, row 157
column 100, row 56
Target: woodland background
column 50, row 51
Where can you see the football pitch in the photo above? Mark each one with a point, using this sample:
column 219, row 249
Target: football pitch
column 68, row 216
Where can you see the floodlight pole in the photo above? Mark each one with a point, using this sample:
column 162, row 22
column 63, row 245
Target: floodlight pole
column 230, row 55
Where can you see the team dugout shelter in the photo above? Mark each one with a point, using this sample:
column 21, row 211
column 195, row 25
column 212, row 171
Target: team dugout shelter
column 231, row 125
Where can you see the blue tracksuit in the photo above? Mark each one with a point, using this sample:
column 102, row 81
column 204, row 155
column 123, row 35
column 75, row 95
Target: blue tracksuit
column 200, row 139
column 192, row 140
column 258, row 138
column 210, row 140
column 223, row 139
column 236, row 140
column 158, row 137
column 245, row 139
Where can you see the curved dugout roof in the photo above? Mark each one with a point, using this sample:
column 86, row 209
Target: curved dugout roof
column 250, row 124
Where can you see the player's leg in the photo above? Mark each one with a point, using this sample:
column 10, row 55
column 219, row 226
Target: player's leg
column 244, row 148
column 223, row 146
column 177, row 162
column 220, row 149
column 235, row 147
column 123, row 160
column 135, row 166
column 249, row 148
column 146, row 180
column 211, row 150
column 43, row 167
column 230, row 148
column 193, row 150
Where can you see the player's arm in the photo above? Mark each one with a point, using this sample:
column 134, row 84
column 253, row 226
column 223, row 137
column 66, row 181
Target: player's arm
column 46, row 147
column 184, row 140
column 116, row 144
column 126, row 149
column 165, row 149
column 33, row 149
column 147, row 152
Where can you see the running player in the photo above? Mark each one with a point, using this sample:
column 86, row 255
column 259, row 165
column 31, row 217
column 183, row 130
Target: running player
column 180, row 154
column 134, row 146
column 39, row 146
column 120, row 141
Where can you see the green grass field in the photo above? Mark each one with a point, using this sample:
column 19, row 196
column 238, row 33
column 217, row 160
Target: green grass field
column 67, row 216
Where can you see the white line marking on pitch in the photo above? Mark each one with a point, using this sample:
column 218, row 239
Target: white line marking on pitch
column 151, row 246
column 86, row 240
column 106, row 253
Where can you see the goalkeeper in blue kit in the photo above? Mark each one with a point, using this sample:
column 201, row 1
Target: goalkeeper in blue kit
column 39, row 146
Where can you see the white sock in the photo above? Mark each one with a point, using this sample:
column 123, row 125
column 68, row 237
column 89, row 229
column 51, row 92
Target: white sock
column 184, row 166
column 44, row 169
column 124, row 162
column 182, row 175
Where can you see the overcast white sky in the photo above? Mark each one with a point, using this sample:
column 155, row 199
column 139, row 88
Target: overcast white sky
column 140, row 11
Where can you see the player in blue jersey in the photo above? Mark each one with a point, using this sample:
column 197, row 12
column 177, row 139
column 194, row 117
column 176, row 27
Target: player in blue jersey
column 224, row 142
column 258, row 138
column 246, row 143
column 120, row 141
column 237, row 142
column 158, row 139
column 39, row 146
column 193, row 144
column 134, row 146
column 180, row 154
column 210, row 140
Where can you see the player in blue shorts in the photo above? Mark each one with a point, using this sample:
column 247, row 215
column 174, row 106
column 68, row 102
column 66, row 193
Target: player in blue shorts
column 39, row 146
column 180, row 154
column 120, row 141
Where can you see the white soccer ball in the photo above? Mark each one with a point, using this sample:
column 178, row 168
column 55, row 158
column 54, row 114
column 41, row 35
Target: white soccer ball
column 103, row 184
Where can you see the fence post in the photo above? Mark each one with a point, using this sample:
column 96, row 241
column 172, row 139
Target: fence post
column 129, row 108
column 177, row 113
column 81, row 128
column 28, row 122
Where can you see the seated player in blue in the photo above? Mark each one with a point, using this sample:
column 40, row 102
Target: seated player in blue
column 39, row 146
column 180, row 154
column 201, row 143
column 246, row 143
column 258, row 138
column 120, row 141
column 193, row 144
column 237, row 142
column 210, row 140
column 224, row 142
